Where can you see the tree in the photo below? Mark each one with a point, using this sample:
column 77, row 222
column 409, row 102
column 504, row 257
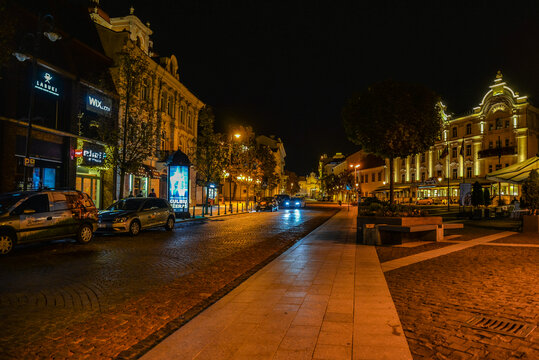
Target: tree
column 136, row 137
column 246, row 167
column 530, row 191
column 393, row 120
column 270, row 179
column 486, row 197
column 292, row 183
column 211, row 155
column 477, row 194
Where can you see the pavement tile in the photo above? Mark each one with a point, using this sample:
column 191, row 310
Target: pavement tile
column 332, row 352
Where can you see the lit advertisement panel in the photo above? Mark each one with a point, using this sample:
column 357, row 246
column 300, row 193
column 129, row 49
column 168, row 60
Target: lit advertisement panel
column 178, row 191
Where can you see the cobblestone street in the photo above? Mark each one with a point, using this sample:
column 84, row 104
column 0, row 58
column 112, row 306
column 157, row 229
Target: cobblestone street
column 119, row 295
column 435, row 297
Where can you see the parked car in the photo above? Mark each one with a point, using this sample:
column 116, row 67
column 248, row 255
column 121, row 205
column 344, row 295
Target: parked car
column 31, row 216
column 131, row 215
column 294, row 203
column 425, row 201
column 281, row 198
column 267, row 203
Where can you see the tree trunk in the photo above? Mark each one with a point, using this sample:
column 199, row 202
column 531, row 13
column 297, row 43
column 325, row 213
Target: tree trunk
column 122, row 181
column 207, row 196
column 391, row 183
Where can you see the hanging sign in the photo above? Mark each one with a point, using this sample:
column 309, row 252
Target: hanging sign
column 47, row 82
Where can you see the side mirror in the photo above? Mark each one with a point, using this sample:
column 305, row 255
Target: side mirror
column 29, row 211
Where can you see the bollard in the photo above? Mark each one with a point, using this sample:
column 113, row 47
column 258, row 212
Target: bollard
column 211, row 210
column 241, row 207
column 218, row 209
column 194, row 211
column 237, row 207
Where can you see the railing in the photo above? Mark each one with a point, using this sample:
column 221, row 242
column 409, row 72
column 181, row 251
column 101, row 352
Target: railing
column 507, row 150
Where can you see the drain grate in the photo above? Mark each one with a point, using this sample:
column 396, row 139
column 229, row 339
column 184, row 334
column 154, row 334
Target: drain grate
column 501, row 326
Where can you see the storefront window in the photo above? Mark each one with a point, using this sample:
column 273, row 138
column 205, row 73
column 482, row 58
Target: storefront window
column 44, row 178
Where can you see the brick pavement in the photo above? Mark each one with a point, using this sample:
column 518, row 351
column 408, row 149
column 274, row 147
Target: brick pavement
column 436, row 296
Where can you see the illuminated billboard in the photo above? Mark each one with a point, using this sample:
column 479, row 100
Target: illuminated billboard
column 178, row 187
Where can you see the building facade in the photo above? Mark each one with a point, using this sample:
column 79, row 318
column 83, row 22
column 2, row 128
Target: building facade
column 176, row 108
column 68, row 98
column 502, row 130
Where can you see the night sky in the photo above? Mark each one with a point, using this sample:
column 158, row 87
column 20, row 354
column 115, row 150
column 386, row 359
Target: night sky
column 287, row 67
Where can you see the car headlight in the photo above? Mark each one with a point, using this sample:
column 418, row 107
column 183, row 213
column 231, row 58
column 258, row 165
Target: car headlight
column 120, row 219
column 287, row 203
column 297, row 202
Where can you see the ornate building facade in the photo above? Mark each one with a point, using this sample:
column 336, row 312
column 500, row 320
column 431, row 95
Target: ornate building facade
column 502, row 130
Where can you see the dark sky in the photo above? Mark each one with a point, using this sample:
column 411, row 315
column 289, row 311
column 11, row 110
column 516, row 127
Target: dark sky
column 287, row 67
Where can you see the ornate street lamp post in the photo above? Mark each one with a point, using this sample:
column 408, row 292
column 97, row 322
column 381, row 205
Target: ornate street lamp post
column 44, row 28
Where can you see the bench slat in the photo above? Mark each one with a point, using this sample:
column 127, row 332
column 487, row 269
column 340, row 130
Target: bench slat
column 416, row 228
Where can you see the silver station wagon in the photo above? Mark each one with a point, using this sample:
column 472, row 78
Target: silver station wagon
column 131, row 215
column 30, row 216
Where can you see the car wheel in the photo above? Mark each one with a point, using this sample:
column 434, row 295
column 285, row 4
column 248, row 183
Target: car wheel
column 170, row 224
column 85, row 234
column 134, row 228
column 6, row 243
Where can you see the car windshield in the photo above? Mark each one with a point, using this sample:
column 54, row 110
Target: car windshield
column 6, row 202
column 126, row 204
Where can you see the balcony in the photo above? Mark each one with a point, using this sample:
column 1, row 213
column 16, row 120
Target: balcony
column 507, row 150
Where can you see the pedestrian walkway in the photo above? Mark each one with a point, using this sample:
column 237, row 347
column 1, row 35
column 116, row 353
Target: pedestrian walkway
column 408, row 260
column 324, row 298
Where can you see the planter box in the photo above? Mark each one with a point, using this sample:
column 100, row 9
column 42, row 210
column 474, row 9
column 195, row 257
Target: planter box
column 530, row 223
column 368, row 233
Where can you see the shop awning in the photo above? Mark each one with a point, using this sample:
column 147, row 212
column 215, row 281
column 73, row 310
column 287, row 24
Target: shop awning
column 516, row 173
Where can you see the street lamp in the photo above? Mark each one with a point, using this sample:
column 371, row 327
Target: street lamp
column 44, row 28
column 237, row 136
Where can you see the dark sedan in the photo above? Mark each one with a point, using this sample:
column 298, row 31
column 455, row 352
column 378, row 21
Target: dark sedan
column 267, row 203
column 294, row 203
column 132, row 215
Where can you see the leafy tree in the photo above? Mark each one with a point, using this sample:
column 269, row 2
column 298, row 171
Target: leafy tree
column 477, row 194
column 270, row 179
column 211, row 154
column 292, row 183
column 487, row 198
column 136, row 137
column 246, row 167
column 329, row 184
column 393, row 120
column 530, row 191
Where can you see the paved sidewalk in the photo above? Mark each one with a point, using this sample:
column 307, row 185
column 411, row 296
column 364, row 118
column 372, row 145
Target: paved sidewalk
column 324, row 298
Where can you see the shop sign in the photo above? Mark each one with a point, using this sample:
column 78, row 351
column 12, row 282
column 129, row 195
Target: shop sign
column 91, row 154
column 28, row 162
column 47, row 82
column 99, row 104
column 178, row 191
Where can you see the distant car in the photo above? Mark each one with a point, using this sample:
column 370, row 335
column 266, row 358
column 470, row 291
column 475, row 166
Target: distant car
column 132, row 215
column 294, row 203
column 267, row 203
column 30, row 216
column 425, row 201
column 281, row 198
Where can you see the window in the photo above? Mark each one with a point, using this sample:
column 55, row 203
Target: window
column 373, row 177
column 380, row 176
column 162, row 204
column 38, row 203
column 498, row 166
column 423, row 177
column 455, row 173
column 422, row 158
column 145, row 90
column 182, row 115
column 468, row 172
column 413, row 177
column 468, row 150
column 490, row 168
column 163, row 101
column 439, row 173
column 468, row 129
column 506, row 165
column 490, row 145
column 454, row 152
column 498, row 123
column 163, row 140
column 403, row 162
column 189, row 120
column 170, row 106
column 455, row 131
column 403, row 178
column 506, row 123
column 490, row 127
column 506, row 142
column 367, row 178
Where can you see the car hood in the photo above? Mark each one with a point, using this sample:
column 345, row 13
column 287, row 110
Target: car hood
column 110, row 215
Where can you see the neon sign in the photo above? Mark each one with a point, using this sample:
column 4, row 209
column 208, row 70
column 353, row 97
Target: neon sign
column 97, row 104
